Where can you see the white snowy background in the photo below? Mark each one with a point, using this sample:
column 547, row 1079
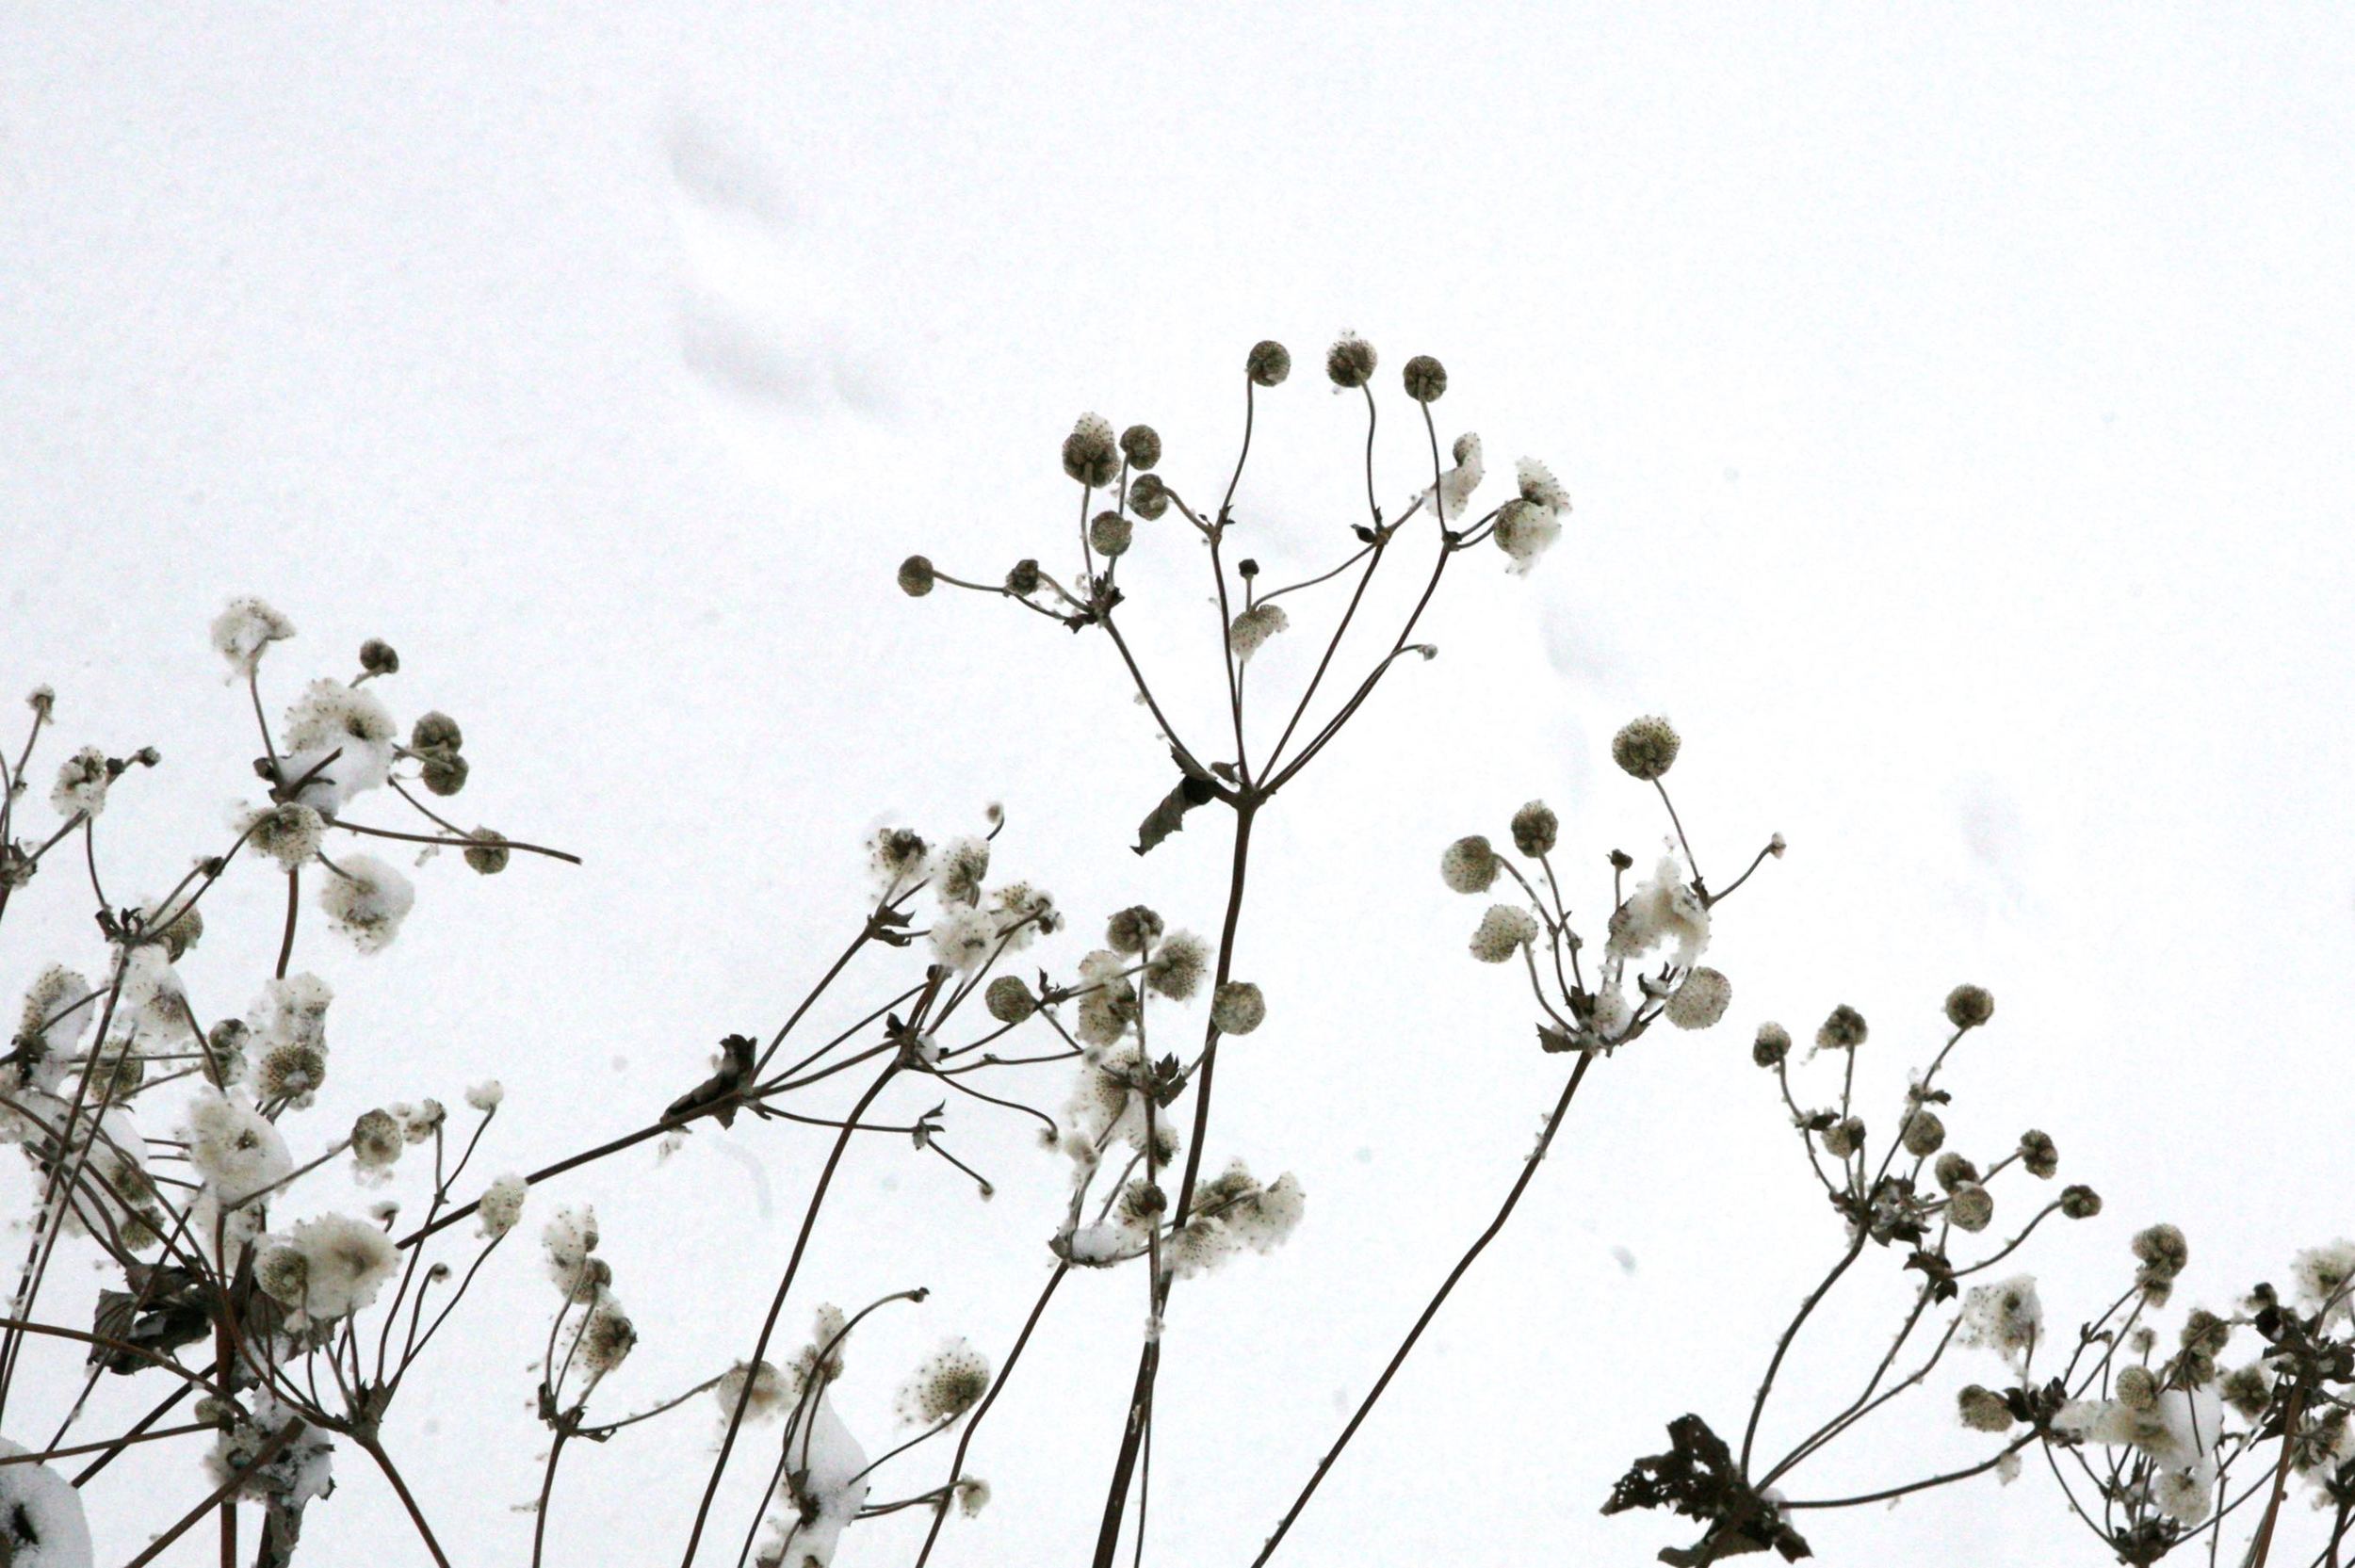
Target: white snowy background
column 1956, row 404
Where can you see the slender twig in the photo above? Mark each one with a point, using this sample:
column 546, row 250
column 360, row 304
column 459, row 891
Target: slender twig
column 1431, row 1310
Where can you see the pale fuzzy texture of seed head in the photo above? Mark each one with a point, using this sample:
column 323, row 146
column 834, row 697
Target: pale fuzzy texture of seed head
column 1701, row 1000
column 950, row 1381
column 1179, row 967
column 1469, row 864
column 1253, row 627
column 1503, row 933
column 1645, row 748
column 501, row 1204
column 1238, row 1008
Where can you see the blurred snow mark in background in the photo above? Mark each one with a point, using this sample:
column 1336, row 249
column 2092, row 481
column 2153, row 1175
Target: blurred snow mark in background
column 771, row 319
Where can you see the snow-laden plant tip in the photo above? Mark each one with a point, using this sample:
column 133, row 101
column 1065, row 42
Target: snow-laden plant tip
column 181, row 1129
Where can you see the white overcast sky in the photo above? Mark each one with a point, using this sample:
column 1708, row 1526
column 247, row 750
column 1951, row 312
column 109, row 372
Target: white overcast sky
column 1956, row 404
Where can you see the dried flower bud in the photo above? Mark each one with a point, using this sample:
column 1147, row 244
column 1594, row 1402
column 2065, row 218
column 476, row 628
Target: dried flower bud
column 2039, row 1155
column 2249, row 1390
column 2080, row 1202
column 1772, row 1044
column 1349, row 361
column 1237, row 1008
column 1023, row 580
column 1089, row 454
column 436, row 732
column 1147, row 497
column 1953, row 1172
column 1133, row 930
column 377, row 658
column 1426, row 379
column 1968, row 1006
column 1925, row 1134
column 1984, row 1410
column 1645, row 748
column 1533, row 829
column 1009, row 1000
column 488, row 853
column 2163, row 1253
column 376, row 1141
column 2136, row 1389
column 915, row 576
column 1269, row 363
column 444, row 772
column 1701, row 1000
column 1142, row 446
column 1469, row 864
column 1845, row 1030
column 1843, row 1137
column 1110, row 533
column 1971, row 1207
column 2205, row 1333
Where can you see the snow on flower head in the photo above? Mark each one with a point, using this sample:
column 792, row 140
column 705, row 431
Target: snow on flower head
column 571, row 1238
column 1661, row 910
column 2005, row 1317
column 1539, row 488
column 366, row 901
column 58, row 1008
column 234, row 1148
column 1525, row 532
column 303, row 1472
column 41, row 1525
column 338, row 741
column 343, row 1264
column 899, row 859
column 2324, row 1276
column 2179, row 1428
column 964, row 939
column 243, row 630
column 822, row 1492
column 82, row 780
column 501, row 1204
column 1252, row 629
column 1457, row 484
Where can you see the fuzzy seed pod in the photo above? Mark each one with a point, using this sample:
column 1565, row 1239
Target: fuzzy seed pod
column 1645, row 748
column 1269, row 363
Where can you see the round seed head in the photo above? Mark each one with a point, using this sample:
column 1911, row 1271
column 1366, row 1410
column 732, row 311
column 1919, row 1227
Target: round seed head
column 1535, row 828
column 915, row 576
column 1269, row 363
column 1645, row 748
column 1238, row 1008
column 1349, row 361
column 1426, row 379
column 1968, row 1006
column 1142, row 446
